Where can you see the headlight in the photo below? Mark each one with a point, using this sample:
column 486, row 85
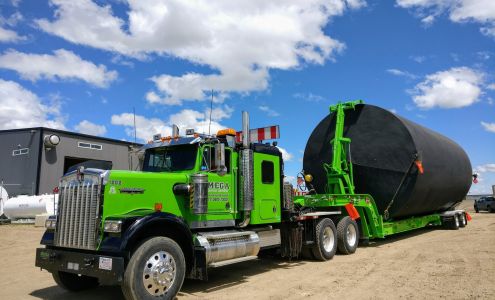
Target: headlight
column 51, row 224
column 112, row 226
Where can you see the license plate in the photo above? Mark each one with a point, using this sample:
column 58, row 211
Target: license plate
column 105, row 263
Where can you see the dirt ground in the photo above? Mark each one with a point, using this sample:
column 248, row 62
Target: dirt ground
column 425, row 264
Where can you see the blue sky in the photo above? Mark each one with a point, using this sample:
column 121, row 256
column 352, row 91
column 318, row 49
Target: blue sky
column 84, row 66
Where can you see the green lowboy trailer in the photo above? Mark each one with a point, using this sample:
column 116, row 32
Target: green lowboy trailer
column 205, row 201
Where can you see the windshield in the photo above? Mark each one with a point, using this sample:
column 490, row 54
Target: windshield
column 170, row 159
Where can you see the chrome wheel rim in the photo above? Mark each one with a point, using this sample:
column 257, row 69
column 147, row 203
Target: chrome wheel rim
column 328, row 239
column 351, row 235
column 456, row 221
column 159, row 273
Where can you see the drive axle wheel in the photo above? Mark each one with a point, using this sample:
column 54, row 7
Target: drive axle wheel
column 326, row 241
column 347, row 235
column 156, row 270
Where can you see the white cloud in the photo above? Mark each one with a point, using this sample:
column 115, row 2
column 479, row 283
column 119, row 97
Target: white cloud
column 285, row 154
column 453, row 88
column 185, row 119
column 290, row 179
column 487, row 168
column 20, row 108
column 219, row 113
column 7, row 35
column 479, row 11
column 310, row 97
column 428, row 20
column 419, row 58
column 239, row 41
column 88, row 127
column 488, row 126
column 398, row 72
column 270, row 112
column 491, row 86
column 63, row 64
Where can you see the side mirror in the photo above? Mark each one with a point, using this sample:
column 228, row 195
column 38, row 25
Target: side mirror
column 220, row 159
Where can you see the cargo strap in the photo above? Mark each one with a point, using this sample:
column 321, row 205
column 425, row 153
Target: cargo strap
column 385, row 213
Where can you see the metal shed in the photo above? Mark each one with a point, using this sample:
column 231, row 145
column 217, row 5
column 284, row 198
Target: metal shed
column 31, row 163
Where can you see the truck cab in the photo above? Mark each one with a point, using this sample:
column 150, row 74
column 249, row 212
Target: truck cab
column 200, row 201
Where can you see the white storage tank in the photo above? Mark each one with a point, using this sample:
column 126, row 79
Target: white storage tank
column 3, row 198
column 28, row 207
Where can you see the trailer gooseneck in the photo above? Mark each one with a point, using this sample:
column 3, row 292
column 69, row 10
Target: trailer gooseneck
column 206, row 201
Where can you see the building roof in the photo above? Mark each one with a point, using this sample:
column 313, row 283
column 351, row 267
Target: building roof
column 73, row 134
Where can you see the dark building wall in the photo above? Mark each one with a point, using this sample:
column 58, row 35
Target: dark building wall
column 54, row 161
column 39, row 171
column 19, row 172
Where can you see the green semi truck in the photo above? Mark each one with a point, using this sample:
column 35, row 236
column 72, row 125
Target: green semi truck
column 205, row 201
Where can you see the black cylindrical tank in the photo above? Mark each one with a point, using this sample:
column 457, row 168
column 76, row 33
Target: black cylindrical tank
column 383, row 146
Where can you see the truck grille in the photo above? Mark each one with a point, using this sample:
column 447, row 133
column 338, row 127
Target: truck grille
column 79, row 203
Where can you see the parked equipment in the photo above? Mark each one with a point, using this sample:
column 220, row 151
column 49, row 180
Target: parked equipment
column 28, row 207
column 408, row 169
column 205, row 201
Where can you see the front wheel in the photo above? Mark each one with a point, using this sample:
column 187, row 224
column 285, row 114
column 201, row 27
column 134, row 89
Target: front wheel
column 347, row 235
column 326, row 241
column 156, row 270
column 74, row 282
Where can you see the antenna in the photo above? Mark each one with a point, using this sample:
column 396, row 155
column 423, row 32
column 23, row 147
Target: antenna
column 211, row 109
column 134, row 113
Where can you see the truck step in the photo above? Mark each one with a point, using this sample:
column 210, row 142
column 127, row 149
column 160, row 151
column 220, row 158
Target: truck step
column 216, row 235
column 232, row 261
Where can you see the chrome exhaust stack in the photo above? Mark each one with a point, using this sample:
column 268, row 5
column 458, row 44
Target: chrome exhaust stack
column 246, row 174
column 175, row 131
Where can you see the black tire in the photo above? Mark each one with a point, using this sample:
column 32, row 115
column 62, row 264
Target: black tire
column 489, row 209
column 462, row 220
column 325, row 233
column 74, row 282
column 453, row 223
column 159, row 251
column 347, row 235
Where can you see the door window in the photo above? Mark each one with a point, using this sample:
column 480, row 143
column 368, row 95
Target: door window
column 208, row 162
column 267, row 172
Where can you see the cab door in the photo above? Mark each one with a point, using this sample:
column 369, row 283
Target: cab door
column 220, row 188
column 266, row 189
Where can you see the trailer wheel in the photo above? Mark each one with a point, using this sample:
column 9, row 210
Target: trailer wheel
column 453, row 223
column 73, row 282
column 326, row 240
column 156, row 270
column 347, row 235
column 462, row 220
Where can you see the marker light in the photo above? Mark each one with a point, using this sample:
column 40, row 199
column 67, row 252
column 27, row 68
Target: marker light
column 308, row 177
column 51, row 224
column 112, row 226
column 227, row 131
